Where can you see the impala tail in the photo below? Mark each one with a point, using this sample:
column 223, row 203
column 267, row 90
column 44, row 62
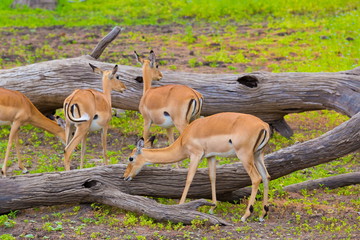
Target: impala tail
column 194, row 109
column 73, row 112
column 262, row 140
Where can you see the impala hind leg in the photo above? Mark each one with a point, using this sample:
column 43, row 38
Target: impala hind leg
column 260, row 165
column 170, row 136
column 83, row 150
column 249, row 165
column 146, row 132
column 80, row 133
column 212, row 176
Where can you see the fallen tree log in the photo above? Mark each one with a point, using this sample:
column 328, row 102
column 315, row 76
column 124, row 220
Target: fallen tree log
column 332, row 182
column 269, row 96
column 76, row 186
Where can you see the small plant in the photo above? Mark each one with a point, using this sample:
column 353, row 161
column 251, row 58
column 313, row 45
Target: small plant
column 48, row 226
column 7, row 237
column 6, row 221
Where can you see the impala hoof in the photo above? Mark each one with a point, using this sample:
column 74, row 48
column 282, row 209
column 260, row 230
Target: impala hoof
column 127, row 178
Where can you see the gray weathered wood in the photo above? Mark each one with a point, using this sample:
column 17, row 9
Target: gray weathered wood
column 269, row 96
column 332, row 182
column 77, row 185
column 100, row 47
column 47, row 4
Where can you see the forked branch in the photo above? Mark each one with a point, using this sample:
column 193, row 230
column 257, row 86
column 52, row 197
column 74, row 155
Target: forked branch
column 100, row 47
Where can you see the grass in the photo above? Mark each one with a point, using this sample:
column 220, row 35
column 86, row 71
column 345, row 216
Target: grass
column 306, row 36
column 135, row 12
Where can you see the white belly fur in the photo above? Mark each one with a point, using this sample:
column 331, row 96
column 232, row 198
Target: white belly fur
column 95, row 126
column 230, row 153
column 167, row 123
column 5, row 122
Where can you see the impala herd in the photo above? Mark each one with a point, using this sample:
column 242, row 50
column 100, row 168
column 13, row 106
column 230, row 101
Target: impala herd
column 223, row 134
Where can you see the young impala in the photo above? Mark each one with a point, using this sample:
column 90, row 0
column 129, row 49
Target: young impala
column 89, row 110
column 166, row 106
column 17, row 110
column 223, row 134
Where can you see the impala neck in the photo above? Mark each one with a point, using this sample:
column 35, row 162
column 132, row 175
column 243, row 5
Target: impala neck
column 174, row 153
column 146, row 78
column 106, row 84
column 40, row 121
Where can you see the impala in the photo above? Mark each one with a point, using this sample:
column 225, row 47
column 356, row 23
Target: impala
column 166, row 106
column 89, row 110
column 17, row 110
column 223, row 134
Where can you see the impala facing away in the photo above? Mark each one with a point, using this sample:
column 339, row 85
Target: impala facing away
column 223, row 134
column 17, row 110
column 89, row 110
column 166, row 106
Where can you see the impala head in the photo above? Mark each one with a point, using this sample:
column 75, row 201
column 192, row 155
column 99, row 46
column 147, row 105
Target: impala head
column 149, row 66
column 111, row 77
column 136, row 161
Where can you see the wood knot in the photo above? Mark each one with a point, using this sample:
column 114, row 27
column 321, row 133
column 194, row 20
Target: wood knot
column 90, row 183
column 139, row 79
column 248, row 81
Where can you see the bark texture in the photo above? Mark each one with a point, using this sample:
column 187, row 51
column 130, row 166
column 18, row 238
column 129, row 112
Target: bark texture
column 269, row 96
column 47, row 4
column 82, row 185
column 332, row 182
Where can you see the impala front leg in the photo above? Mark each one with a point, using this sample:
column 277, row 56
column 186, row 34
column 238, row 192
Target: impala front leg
column 103, row 138
column 194, row 162
column 13, row 132
column 17, row 149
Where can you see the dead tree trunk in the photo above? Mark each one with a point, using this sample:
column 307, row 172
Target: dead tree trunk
column 269, row 96
column 47, row 4
column 90, row 184
column 332, row 182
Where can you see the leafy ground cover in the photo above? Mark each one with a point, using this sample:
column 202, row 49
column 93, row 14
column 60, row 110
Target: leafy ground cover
column 256, row 36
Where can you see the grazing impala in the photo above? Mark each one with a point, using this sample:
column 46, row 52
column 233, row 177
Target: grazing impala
column 223, row 134
column 166, row 106
column 16, row 109
column 89, row 110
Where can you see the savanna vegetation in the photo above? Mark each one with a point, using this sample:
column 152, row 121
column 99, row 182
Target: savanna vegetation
column 197, row 36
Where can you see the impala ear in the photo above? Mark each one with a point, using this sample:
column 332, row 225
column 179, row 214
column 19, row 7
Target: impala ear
column 152, row 59
column 95, row 69
column 139, row 145
column 115, row 69
column 138, row 59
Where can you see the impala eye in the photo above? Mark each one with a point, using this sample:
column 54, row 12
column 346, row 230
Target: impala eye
column 131, row 159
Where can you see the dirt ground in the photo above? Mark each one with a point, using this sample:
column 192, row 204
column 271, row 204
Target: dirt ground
column 286, row 220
